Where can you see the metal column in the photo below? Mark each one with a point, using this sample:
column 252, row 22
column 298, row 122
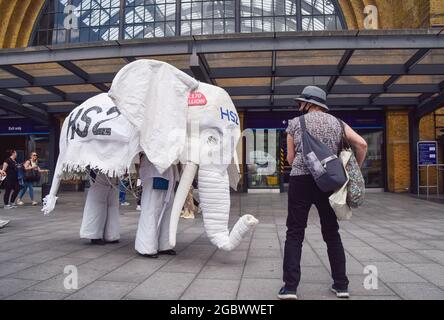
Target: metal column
column 413, row 140
column 54, row 137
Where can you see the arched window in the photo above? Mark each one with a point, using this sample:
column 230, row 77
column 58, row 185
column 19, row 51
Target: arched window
column 65, row 21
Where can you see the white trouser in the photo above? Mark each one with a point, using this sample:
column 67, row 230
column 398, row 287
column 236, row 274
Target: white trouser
column 150, row 238
column 101, row 213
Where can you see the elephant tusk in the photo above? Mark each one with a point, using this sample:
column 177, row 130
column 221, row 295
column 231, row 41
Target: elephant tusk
column 186, row 180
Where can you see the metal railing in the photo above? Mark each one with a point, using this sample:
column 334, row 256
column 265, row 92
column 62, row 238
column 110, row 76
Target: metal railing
column 439, row 168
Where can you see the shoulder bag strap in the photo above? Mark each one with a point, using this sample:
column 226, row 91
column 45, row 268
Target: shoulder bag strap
column 302, row 122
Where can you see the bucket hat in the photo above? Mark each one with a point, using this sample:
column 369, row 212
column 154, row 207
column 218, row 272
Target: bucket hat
column 314, row 95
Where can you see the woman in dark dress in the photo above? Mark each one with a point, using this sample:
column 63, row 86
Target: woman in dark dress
column 11, row 182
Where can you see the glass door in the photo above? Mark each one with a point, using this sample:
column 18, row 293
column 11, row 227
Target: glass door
column 263, row 160
column 373, row 168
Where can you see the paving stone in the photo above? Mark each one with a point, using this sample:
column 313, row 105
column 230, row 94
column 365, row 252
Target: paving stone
column 222, row 272
column 68, row 261
column 197, row 252
column 315, row 274
column 136, row 270
column 432, row 272
column 56, row 283
column 259, row 289
column 357, row 288
column 367, row 255
column 265, row 253
column 437, row 244
column 90, row 252
column 108, row 262
column 7, row 256
column 103, row 290
column 396, row 273
column 37, row 295
column 10, row 286
column 382, row 298
column 39, row 272
column 413, row 244
column 263, row 268
column 417, row 291
column 40, row 257
column 188, row 265
column 434, row 255
column 7, row 268
column 315, row 291
column 402, row 236
column 264, row 235
column 211, row 289
column 162, row 285
column 228, row 257
column 270, row 244
column 408, row 257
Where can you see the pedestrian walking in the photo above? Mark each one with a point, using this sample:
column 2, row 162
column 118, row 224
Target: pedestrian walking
column 12, row 187
column 31, row 175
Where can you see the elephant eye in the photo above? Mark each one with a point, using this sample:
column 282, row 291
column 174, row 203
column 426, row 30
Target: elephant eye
column 212, row 140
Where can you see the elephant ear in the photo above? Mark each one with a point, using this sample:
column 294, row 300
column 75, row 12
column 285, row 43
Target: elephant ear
column 153, row 96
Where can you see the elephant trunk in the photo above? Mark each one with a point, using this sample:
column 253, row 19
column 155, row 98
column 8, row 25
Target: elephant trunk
column 214, row 194
column 186, row 180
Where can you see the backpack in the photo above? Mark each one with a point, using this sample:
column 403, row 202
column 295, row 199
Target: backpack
column 325, row 167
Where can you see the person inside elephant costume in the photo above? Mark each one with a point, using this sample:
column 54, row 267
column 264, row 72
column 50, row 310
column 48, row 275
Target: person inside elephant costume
column 166, row 123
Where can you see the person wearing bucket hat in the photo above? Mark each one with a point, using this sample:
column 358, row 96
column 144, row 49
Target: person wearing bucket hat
column 314, row 95
column 303, row 192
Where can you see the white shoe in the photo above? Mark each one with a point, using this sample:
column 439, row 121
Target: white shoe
column 7, row 207
column 20, row 203
column 125, row 204
column 139, row 208
column 34, row 203
column 4, row 223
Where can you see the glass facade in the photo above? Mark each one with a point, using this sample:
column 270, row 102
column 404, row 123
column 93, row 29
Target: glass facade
column 207, row 17
column 148, row 19
column 71, row 21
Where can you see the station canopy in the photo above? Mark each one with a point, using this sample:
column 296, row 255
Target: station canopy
column 360, row 70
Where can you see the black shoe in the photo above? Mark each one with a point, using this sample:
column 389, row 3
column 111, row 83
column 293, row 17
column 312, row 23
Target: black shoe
column 285, row 294
column 340, row 293
column 151, row 256
column 112, row 242
column 169, row 252
column 97, row 242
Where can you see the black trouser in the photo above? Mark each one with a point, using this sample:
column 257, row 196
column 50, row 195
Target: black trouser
column 11, row 186
column 302, row 194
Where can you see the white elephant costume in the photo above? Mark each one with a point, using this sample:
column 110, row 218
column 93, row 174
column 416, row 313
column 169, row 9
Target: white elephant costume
column 201, row 133
column 154, row 222
column 194, row 134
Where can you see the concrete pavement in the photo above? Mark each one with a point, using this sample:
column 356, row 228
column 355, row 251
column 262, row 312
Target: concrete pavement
column 400, row 235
